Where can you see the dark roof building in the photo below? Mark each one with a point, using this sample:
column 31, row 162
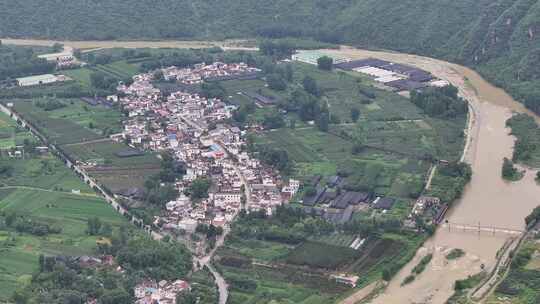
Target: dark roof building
column 384, row 203
column 414, row 74
column 329, row 195
column 349, row 198
column 135, row 193
column 314, row 200
column 333, row 181
column 339, row 216
column 314, row 181
column 265, row 100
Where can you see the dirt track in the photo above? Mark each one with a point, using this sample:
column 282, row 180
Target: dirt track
column 228, row 44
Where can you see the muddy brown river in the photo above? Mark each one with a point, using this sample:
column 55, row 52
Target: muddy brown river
column 488, row 200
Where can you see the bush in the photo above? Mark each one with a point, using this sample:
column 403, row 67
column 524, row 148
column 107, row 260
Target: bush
column 455, row 254
column 408, row 280
column 325, row 63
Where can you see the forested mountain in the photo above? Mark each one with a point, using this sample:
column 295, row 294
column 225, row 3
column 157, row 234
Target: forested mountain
column 501, row 38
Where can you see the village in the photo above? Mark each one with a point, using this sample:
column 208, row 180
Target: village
column 169, row 113
column 192, row 127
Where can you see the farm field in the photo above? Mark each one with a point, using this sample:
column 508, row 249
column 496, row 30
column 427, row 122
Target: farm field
column 343, row 92
column 44, row 172
column 80, row 131
column 19, row 252
column 398, row 140
column 91, row 121
column 119, row 70
column 117, row 173
column 58, row 130
column 105, row 150
column 300, row 274
column 321, row 255
column 320, row 153
column 11, row 134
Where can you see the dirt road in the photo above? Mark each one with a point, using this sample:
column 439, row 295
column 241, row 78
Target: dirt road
column 85, row 45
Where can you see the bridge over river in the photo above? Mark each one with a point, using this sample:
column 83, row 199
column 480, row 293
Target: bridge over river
column 478, row 228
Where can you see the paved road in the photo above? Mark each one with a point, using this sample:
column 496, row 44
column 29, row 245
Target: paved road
column 207, row 259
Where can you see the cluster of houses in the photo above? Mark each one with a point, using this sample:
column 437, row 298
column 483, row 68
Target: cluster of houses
column 162, row 292
column 330, row 200
column 429, row 208
column 209, row 72
column 194, row 129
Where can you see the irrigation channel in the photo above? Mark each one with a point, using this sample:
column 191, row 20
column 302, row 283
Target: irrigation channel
column 487, row 199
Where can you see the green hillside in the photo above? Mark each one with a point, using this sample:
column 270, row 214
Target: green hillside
column 500, row 38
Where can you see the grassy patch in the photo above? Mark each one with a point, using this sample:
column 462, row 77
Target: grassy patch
column 455, row 254
column 421, row 266
column 321, row 255
column 11, row 134
column 45, row 172
column 58, row 130
column 19, row 252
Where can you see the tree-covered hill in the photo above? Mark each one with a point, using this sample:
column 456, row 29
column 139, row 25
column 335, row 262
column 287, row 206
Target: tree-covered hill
column 501, row 38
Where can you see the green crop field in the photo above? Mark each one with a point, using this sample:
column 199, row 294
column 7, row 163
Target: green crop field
column 397, row 139
column 320, row 153
column 120, row 70
column 106, row 150
column 83, row 114
column 115, row 172
column 11, row 134
column 19, row 251
column 321, row 255
column 342, row 92
column 70, row 127
column 80, row 75
column 336, row 239
column 58, row 130
column 70, row 211
column 45, row 172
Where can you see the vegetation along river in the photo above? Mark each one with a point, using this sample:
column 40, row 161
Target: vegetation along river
column 487, row 201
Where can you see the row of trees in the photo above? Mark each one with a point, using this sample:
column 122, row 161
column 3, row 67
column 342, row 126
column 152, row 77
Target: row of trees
column 440, row 102
column 18, row 61
column 27, row 225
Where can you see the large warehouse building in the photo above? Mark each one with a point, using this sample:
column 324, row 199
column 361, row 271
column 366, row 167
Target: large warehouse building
column 36, row 80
